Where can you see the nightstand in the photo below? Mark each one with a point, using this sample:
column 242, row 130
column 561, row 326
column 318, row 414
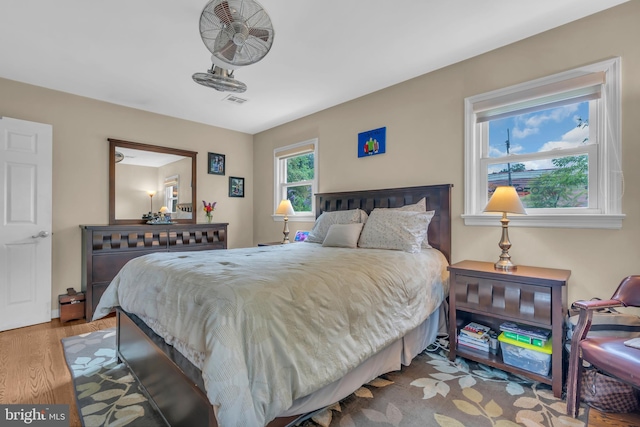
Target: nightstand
column 529, row 296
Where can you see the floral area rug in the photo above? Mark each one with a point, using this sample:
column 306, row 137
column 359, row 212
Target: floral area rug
column 432, row 391
column 106, row 392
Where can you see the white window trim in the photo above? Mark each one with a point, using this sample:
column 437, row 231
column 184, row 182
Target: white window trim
column 609, row 181
column 302, row 217
column 171, row 181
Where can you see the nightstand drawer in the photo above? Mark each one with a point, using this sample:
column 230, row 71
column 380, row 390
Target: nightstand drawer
column 504, row 298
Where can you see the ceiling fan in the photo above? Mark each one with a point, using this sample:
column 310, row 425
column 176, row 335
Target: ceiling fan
column 237, row 33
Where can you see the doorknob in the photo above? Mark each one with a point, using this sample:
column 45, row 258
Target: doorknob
column 41, row 234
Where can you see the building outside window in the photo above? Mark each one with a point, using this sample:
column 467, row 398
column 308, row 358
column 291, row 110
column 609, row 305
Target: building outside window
column 557, row 141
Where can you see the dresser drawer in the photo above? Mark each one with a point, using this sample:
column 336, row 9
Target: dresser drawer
column 104, row 267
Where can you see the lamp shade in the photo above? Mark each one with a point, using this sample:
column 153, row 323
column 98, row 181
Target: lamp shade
column 285, row 208
column 505, row 199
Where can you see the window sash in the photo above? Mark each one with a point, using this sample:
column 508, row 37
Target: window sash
column 284, row 190
column 590, row 150
column 284, row 167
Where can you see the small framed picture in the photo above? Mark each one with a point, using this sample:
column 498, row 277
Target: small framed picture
column 216, row 164
column 236, row 186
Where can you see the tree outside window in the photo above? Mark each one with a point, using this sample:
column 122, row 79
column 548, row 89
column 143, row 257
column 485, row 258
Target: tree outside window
column 296, row 178
column 300, row 172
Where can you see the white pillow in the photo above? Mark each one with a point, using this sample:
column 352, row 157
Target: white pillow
column 395, row 229
column 343, row 235
column 326, row 219
column 421, row 206
column 363, row 216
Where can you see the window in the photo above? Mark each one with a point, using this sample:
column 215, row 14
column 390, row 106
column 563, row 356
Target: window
column 557, row 141
column 171, row 193
column 296, row 178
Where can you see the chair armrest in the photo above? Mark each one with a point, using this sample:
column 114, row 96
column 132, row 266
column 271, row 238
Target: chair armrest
column 598, row 304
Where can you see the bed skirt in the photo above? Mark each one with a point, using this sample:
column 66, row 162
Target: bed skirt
column 156, row 362
column 389, row 359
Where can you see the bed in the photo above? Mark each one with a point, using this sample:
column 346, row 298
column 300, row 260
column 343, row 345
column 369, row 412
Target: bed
column 230, row 358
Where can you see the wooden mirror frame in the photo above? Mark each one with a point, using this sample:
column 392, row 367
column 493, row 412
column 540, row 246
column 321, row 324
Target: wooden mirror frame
column 113, row 143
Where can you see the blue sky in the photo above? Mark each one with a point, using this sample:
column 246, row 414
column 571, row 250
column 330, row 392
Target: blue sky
column 539, row 131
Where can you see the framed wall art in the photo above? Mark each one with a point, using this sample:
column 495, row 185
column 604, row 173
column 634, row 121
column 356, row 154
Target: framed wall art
column 216, row 164
column 372, row 142
column 236, row 186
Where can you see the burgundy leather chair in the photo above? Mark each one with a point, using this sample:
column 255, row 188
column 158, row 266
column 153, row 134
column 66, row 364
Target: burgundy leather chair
column 608, row 354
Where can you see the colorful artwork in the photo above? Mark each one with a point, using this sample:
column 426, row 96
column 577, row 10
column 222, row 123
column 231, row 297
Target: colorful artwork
column 372, row 142
column 301, row 236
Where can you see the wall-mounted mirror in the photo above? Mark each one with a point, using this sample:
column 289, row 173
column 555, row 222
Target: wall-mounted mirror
column 146, row 179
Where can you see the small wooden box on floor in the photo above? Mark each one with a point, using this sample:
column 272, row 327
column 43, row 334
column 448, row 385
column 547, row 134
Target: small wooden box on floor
column 71, row 306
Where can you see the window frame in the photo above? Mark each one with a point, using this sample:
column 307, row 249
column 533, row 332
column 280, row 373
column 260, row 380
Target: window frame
column 171, row 182
column 604, row 115
column 280, row 155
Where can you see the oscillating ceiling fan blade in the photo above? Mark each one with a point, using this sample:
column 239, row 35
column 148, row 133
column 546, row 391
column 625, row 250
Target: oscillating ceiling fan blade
column 259, row 33
column 229, row 50
column 223, row 12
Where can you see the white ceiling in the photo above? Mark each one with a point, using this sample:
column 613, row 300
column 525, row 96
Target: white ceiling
column 142, row 53
column 146, row 158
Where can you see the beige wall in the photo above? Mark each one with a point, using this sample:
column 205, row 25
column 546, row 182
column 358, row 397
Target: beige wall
column 81, row 127
column 424, row 120
column 132, row 184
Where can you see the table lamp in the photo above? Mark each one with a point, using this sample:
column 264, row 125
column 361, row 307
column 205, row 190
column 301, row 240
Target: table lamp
column 285, row 208
column 505, row 200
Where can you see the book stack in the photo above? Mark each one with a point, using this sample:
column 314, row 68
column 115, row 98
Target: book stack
column 475, row 336
column 525, row 334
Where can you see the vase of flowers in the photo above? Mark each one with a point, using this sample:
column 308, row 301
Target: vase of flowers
column 208, row 210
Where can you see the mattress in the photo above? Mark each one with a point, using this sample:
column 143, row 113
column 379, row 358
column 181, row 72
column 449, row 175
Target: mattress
column 270, row 325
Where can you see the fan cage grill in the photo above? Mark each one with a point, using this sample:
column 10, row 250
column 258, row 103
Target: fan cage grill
column 221, row 20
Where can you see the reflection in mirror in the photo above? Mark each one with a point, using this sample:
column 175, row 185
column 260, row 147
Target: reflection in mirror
column 148, row 182
column 171, row 193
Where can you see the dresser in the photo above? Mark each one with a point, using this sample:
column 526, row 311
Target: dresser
column 107, row 248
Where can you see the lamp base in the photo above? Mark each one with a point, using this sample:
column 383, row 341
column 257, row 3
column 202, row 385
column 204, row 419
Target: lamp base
column 505, row 265
column 285, row 232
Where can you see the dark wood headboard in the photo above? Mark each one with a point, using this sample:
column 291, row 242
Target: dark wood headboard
column 438, row 199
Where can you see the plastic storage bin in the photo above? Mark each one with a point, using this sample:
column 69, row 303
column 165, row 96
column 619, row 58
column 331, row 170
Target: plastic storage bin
column 526, row 356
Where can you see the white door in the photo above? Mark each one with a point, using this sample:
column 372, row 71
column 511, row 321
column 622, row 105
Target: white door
column 25, row 223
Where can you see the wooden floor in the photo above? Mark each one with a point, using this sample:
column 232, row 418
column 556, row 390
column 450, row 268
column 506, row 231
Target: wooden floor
column 32, row 365
column 33, row 369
